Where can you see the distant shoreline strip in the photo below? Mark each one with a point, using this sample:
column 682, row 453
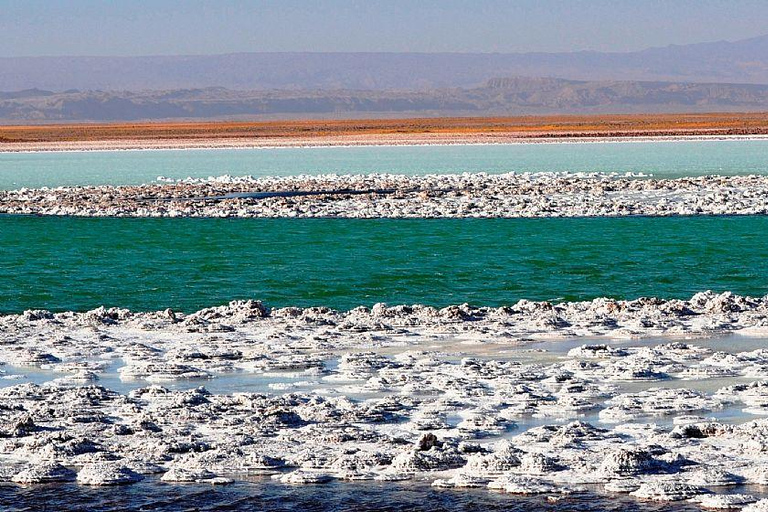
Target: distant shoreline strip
column 349, row 142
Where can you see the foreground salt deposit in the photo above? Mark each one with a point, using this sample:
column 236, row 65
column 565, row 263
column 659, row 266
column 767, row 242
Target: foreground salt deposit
column 459, row 397
column 396, row 196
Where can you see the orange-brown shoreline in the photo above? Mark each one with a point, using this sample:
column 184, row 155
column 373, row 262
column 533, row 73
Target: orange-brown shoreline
column 454, row 130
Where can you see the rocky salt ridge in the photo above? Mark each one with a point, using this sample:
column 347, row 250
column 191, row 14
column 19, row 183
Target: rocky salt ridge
column 394, row 393
column 396, row 196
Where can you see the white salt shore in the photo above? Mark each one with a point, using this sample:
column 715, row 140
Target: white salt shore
column 363, row 140
column 397, row 393
column 396, row 196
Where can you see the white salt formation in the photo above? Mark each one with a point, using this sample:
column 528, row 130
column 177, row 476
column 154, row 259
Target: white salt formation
column 383, row 195
column 395, row 393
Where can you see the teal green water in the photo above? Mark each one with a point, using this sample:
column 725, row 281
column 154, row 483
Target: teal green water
column 147, row 264
column 663, row 159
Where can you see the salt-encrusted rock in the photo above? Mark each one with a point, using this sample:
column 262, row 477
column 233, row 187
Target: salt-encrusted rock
column 597, row 351
column 106, row 473
column 18, row 425
column 261, row 462
column 667, row 491
column 434, row 459
column 504, row 458
column 177, row 474
column 8, row 471
column 483, row 423
column 571, row 435
column 81, row 377
column 34, row 315
column 393, row 475
column 724, row 501
column 712, row 477
column 701, row 430
column 304, row 477
column 45, row 472
column 220, row 480
column 623, row 485
column 756, row 474
column 516, row 484
column 688, row 419
column 430, row 420
column 356, row 475
column 461, row 481
column 758, row 506
column 538, row 464
column 161, row 372
column 629, row 461
column 754, row 395
column 657, row 402
column 429, row 441
column 28, row 356
column 143, row 467
column 359, row 465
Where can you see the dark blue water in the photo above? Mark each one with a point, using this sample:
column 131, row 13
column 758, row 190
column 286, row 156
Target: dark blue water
column 276, row 497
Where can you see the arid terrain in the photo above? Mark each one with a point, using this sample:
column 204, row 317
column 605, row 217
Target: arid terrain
column 496, row 97
column 380, row 131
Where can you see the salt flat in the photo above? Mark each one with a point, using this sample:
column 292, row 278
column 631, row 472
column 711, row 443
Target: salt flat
column 459, row 397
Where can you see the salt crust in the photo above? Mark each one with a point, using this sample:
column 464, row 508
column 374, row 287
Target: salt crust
column 374, row 405
column 398, row 196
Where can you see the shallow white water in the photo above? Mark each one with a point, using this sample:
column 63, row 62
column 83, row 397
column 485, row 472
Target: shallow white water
column 665, row 159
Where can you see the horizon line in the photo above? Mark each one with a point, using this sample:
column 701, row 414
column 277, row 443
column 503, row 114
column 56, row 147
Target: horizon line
column 371, row 52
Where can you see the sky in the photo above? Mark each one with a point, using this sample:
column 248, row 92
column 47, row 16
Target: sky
column 187, row 27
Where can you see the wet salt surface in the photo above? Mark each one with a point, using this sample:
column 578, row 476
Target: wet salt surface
column 450, row 352
column 459, row 399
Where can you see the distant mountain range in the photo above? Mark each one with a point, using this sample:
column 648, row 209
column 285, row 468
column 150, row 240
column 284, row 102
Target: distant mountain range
column 498, row 96
column 744, row 61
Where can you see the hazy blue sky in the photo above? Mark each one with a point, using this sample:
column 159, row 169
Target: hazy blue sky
column 151, row 27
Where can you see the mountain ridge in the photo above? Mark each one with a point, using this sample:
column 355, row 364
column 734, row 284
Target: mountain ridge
column 497, row 96
column 744, row 61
